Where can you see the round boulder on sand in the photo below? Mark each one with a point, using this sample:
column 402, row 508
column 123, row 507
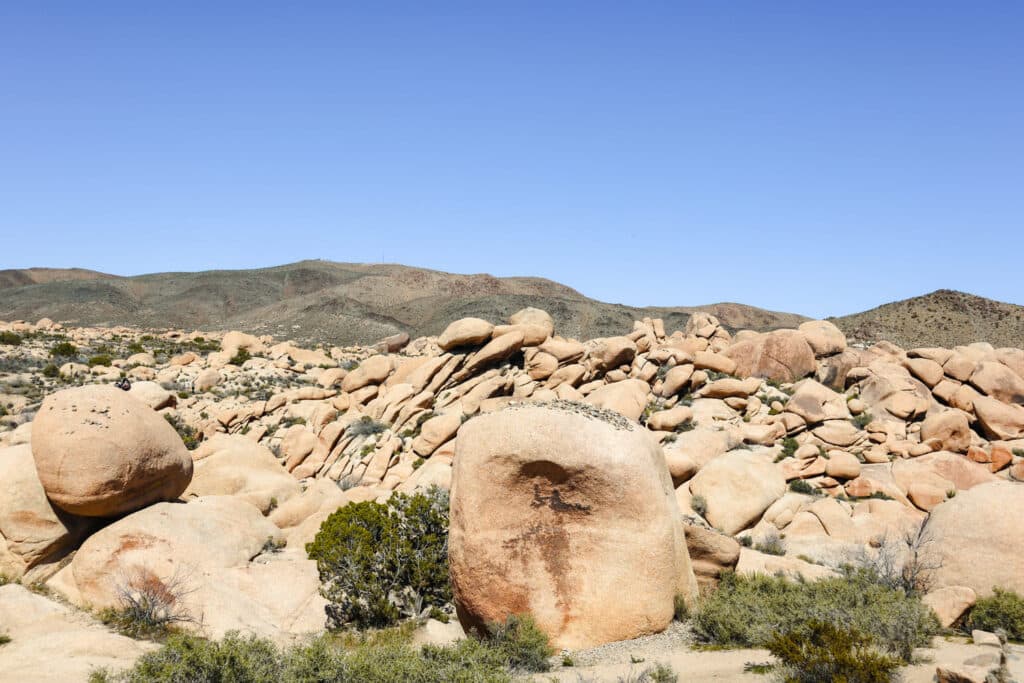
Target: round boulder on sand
column 565, row 512
column 99, row 452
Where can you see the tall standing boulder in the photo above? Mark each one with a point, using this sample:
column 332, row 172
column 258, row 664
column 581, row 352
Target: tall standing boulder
column 566, row 512
column 100, row 453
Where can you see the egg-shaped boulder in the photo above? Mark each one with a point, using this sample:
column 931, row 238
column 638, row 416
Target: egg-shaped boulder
column 100, row 452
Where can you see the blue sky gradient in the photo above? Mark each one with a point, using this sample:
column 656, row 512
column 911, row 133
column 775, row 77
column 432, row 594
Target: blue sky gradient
column 820, row 158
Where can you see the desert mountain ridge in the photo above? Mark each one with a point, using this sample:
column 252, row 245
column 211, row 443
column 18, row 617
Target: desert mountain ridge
column 348, row 303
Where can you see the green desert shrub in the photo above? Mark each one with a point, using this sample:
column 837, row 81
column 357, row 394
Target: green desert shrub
column 382, row 563
column 51, row 371
column 801, row 486
column 1004, row 609
column 382, row 657
column 746, row 611
column 189, row 436
column 520, row 644
column 100, row 359
column 823, row 651
column 240, row 357
column 64, row 350
column 9, row 339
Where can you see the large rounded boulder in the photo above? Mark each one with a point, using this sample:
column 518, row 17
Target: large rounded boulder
column 976, row 539
column 100, row 453
column 566, row 512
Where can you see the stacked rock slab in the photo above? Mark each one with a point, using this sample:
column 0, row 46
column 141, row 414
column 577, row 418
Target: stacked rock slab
column 557, row 507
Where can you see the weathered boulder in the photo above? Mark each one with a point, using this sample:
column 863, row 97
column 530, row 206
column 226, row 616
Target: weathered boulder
column 554, row 509
column 816, row 403
column 738, row 487
column 628, row 397
column 153, row 395
column 612, row 352
column 1003, row 421
column 465, row 332
column 998, row 381
column 373, row 370
column 711, row 553
column 207, row 379
column 242, row 468
column 977, row 538
column 436, row 431
column 824, row 337
column 667, row 420
column 949, row 603
column 52, row 643
column 948, row 430
column 202, row 550
column 34, row 530
column 99, row 452
column 890, row 392
column 782, row 355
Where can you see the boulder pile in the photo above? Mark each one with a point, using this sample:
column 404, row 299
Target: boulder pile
column 791, row 442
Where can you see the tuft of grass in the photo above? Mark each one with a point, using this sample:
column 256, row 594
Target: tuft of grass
column 801, row 486
column 9, row 339
column 681, row 612
column 699, row 505
column 771, row 545
column 863, row 420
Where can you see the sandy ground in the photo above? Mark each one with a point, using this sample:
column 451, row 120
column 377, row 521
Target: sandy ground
column 698, row 666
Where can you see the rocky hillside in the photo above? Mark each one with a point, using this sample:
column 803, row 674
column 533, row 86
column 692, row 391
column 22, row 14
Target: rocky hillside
column 942, row 318
column 659, row 459
column 337, row 303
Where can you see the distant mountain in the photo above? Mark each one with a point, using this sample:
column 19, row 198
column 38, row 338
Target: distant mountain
column 943, row 318
column 339, row 303
column 35, row 276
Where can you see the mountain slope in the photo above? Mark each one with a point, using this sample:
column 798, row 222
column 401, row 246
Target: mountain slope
column 943, row 318
column 336, row 302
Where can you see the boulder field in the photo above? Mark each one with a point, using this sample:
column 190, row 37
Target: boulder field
column 593, row 481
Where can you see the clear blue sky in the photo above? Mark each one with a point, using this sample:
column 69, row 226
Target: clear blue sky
column 815, row 157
